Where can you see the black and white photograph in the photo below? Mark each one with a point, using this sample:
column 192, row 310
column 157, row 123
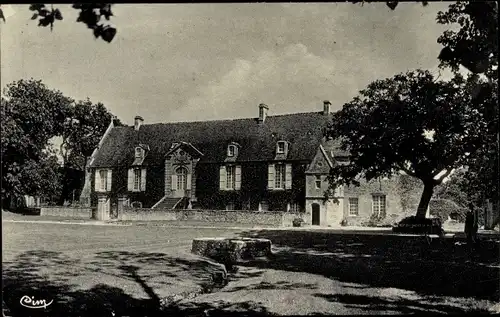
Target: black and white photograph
column 244, row 158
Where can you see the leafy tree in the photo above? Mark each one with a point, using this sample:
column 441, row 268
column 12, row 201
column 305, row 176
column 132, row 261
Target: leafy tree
column 453, row 189
column 83, row 128
column 412, row 123
column 31, row 114
column 475, row 46
column 91, row 14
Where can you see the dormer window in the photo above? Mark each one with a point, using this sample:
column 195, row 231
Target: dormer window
column 231, row 150
column 281, row 147
column 139, row 152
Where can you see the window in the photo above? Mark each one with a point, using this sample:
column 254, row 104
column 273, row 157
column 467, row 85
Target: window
column 103, row 174
column 318, row 182
column 137, row 179
column 353, row 206
column 295, row 207
column 230, row 206
column 279, row 176
column 231, row 150
column 379, row 205
column 279, row 181
column 181, row 173
column 138, row 152
column 281, row 147
column 230, row 177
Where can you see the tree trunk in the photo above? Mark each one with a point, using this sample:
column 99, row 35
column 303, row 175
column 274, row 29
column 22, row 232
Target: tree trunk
column 425, row 199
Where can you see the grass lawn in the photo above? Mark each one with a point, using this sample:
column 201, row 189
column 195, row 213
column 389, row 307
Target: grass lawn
column 127, row 269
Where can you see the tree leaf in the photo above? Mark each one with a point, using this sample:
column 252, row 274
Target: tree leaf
column 108, row 34
column 392, row 4
column 2, row 16
column 97, row 31
column 35, row 16
column 57, row 14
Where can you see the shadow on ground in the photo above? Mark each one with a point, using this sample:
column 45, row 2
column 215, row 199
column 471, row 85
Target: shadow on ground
column 27, row 275
column 434, row 268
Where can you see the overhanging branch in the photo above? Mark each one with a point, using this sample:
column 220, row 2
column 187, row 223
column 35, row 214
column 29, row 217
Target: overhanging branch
column 442, row 177
column 407, row 171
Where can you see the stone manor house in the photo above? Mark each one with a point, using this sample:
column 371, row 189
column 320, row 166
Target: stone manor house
column 266, row 163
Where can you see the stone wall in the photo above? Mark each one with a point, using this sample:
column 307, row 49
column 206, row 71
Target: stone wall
column 66, row 212
column 269, row 218
column 288, row 218
column 402, row 196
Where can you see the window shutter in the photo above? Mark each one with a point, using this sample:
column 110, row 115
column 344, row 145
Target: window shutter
column 108, row 184
column 97, row 183
column 238, row 178
column 222, row 178
column 288, row 176
column 130, row 180
column 143, row 180
column 174, row 181
column 286, row 148
column 188, row 181
column 270, row 176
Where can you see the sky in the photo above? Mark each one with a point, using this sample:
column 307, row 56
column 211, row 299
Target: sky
column 190, row 62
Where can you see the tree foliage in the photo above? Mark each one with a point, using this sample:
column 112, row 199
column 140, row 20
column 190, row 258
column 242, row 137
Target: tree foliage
column 84, row 126
column 90, row 14
column 474, row 44
column 412, row 123
column 31, row 116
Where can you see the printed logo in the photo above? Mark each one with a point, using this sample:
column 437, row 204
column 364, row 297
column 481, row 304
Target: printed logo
column 31, row 302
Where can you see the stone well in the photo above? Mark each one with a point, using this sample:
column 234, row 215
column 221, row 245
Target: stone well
column 237, row 249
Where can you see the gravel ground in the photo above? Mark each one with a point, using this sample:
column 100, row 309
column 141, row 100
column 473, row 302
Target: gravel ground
column 92, row 267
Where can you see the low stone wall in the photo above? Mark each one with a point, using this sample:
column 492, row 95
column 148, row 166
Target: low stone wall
column 289, row 217
column 66, row 212
column 146, row 214
column 270, row 218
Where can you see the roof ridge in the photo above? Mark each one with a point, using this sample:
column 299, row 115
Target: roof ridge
column 232, row 120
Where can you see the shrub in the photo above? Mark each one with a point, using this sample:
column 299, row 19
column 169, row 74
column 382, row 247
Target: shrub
column 344, row 222
column 297, row 222
column 374, row 221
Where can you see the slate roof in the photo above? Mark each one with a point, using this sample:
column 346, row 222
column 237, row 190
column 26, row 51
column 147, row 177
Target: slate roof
column 257, row 141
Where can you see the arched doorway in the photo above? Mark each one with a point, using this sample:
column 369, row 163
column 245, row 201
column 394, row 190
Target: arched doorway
column 315, row 214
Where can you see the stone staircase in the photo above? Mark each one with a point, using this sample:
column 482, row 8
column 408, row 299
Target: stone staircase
column 172, row 203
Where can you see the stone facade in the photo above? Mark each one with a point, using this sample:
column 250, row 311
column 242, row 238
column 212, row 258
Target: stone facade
column 402, row 195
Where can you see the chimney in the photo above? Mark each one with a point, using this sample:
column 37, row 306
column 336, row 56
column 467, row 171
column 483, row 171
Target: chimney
column 326, row 107
column 138, row 120
column 263, row 108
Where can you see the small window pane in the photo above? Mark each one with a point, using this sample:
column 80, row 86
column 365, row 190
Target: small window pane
column 353, row 206
column 280, row 174
column 281, row 147
column 318, row 182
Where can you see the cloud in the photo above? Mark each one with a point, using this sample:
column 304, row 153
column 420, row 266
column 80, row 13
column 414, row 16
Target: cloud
column 212, row 61
column 290, row 80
